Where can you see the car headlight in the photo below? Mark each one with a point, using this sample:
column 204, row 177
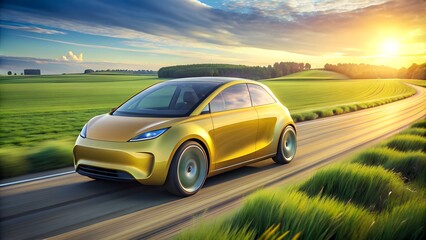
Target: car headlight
column 149, row 135
column 83, row 131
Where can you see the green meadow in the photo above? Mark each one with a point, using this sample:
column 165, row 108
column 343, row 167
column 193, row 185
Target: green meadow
column 378, row 194
column 314, row 74
column 38, row 111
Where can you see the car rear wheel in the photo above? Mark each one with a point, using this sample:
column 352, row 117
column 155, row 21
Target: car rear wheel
column 287, row 146
column 188, row 170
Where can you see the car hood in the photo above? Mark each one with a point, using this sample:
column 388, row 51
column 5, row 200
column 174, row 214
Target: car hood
column 121, row 129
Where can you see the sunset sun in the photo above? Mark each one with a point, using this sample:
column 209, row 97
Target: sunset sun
column 390, row 47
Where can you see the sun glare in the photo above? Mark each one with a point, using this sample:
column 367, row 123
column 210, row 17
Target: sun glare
column 390, row 47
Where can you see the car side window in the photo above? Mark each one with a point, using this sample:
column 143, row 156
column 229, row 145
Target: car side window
column 259, row 95
column 234, row 97
column 217, row 104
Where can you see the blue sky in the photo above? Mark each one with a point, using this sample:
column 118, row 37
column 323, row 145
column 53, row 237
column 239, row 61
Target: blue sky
column 72, row 35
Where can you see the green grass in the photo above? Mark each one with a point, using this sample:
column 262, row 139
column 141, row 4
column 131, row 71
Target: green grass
column 355, row 200
column 406, row 158
column 407, row 143
column 48, row 155
column 36, row 109
column 420, row 124
column 403, row 222
column 302, row 96
column 56, row 109
column 415, row 131
column 296, row 214
column 421, row 83
column 314, row 75
column 370, row 187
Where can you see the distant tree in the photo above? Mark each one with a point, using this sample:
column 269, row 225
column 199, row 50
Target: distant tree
column 362, row 70
column 229, row 70
column 9, row 73
column 14, row 74
column 402, row 73
column 87, row 71
column 307, row 66
column 22, row 73
column 411, row 70
column 419, row 73
column 301, row 66
column 278, row 70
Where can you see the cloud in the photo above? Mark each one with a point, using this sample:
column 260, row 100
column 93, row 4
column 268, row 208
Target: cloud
column 311, row 28
column 31, row 29
column 71, row 57
column 297, row 7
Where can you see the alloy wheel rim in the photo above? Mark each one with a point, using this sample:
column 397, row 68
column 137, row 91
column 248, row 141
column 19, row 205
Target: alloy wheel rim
column 192, row 168
column 288, row 147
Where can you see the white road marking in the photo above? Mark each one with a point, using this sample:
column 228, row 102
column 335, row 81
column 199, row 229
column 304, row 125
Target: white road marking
column 36, row 178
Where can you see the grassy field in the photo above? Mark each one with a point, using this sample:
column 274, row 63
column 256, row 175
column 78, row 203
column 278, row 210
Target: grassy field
column 39, row 110
column 305, row 95
column 314, row 75
column 378, row 194
column 421, row 83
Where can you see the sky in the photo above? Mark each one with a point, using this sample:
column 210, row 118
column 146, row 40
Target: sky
column 69, row 36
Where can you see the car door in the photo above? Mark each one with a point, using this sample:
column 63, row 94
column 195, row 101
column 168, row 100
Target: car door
column 266, row 109
column 235, row 126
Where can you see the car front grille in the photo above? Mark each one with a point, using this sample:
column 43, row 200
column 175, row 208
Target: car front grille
column 103, row 173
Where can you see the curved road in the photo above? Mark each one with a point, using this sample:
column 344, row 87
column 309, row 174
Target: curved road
column 75, row 207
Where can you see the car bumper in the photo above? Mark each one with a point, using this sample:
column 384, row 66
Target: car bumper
column 122, row 161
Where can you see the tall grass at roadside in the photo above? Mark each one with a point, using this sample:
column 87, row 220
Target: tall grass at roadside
column 216, row 230
column 370, row 187
column 407, row 221
column 407, row 143
column 289, row 214
column 49, row 155
column 415, row 131
column 420, row 124
column 411, row 165
column 295, row 212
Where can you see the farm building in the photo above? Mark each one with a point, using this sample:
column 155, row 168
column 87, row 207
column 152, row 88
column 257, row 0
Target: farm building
column 32, row 72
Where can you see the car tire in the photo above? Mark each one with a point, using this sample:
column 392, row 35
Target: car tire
column 287, row 146
column 188, row 170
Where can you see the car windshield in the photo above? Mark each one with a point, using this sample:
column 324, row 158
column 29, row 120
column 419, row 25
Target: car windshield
column 167, row 99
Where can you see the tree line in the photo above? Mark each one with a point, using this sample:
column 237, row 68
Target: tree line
column 352, row 70
column 415, row 71
column 122, row 71
column 230, row 70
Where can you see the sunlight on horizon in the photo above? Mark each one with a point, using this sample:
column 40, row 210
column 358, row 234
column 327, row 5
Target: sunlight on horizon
column 390, row 47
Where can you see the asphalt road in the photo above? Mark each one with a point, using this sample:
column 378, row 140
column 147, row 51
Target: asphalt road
column 76, row 207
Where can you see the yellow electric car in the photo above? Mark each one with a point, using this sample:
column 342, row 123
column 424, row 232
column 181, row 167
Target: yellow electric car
column 179, row 132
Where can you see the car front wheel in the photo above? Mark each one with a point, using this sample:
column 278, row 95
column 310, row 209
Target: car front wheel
column 287, row 146
column 188, row 170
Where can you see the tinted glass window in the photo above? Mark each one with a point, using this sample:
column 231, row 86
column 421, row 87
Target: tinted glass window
column 234, row 97
column 259, row 95
column 167, row 99
column 217, row 104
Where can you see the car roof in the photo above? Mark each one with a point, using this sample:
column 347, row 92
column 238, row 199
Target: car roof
column 212, row 79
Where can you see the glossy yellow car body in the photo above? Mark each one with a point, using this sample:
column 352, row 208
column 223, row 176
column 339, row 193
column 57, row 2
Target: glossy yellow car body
column 229, row 138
